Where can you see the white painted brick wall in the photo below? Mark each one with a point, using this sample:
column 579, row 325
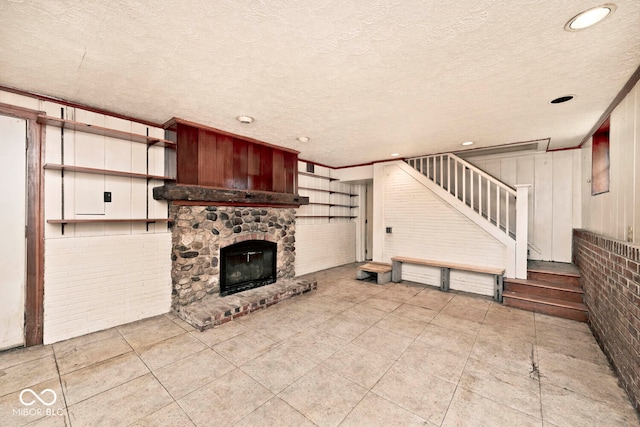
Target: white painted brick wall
column 476, row 283
column 424, row 226
column 94, row 283
column 322, row 246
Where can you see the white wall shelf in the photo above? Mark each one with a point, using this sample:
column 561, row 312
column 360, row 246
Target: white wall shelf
column 317, row 176
column 327, row 191
column 112, row 133
column 332, row 205
column 94, row 171
column 326, row 216
column 149, row 141
column 94, row 220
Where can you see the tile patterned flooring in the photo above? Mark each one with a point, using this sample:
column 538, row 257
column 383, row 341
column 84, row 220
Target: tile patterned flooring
column 351, row 353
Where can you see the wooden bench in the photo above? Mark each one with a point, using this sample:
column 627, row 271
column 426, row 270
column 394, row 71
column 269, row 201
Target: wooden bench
column 380, row 269
column 445, row 269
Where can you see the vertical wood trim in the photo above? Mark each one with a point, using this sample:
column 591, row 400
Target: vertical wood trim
column 224, row 161
column 207, row 146
column 295, row 174
column 34, row 286
column 240, row 170
column 279, row 176
column 208, row 157
column 187, row 148
column 35, row 236
column 266, row 169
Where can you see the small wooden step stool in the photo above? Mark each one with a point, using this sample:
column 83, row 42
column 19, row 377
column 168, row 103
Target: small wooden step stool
column 380, row 269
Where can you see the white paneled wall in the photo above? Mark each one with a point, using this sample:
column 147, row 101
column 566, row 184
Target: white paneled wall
column 425, row 226
column 477, row 283
column 100, row 275
column 616, row 214
column 328, row 239
column 321, row 246
column 94, row 283
column 83, row 193
column 325, row 191
column 553, row 207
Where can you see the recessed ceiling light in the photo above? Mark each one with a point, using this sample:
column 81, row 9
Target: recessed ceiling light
column 303, row 138
column 245, row 119
column 395, row 154
column 467, row 143
column 562, row 99
column 589, row 17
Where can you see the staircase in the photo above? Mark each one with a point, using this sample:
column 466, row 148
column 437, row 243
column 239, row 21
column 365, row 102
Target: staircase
column 501, row 210
column 552, row 288
column 498, row 208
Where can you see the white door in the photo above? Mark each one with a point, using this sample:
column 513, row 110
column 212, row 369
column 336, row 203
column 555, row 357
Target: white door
column 13, row 137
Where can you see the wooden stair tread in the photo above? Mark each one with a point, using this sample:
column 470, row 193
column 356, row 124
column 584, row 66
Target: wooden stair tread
column 553, row 268
column 548, row 285
column 546, row 300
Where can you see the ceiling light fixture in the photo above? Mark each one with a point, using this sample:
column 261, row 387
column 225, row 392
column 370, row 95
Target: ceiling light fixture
column 395, row 154
column 467, row 143
column 562, row 99
column 245, row 119
column 589, row 17
column 303, row 138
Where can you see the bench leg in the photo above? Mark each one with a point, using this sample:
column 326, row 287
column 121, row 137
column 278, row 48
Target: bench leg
column 499, row 287
column 444, row 279
column 384, row 278
column 361, row 274
column 396, row 271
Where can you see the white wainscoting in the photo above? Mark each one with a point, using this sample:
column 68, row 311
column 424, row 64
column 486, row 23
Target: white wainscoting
column 322, row 246
column 94, row 283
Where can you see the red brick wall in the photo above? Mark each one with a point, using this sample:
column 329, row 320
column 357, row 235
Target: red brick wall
column 610, row 276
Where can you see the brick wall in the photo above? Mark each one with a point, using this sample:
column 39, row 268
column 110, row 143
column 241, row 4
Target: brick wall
column 425, row 226
column 610, row 271
column 321, row 246
column 94, row 283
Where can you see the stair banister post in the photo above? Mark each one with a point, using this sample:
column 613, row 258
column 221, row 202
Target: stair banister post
column 522, row 232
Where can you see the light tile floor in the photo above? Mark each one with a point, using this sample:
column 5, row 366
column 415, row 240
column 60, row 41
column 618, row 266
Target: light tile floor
column 351, row 353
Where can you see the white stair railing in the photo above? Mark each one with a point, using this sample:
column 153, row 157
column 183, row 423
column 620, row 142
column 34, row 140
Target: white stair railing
column 492, row 199
column 499, row 204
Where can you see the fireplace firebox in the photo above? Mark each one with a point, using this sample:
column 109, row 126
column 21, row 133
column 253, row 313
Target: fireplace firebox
column 246, row 265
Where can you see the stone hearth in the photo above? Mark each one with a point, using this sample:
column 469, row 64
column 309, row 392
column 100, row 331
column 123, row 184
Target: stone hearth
column 211, row 312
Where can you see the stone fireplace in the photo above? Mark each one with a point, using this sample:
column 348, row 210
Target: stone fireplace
column 232, row 207
column 204, row 236
column 201, row 233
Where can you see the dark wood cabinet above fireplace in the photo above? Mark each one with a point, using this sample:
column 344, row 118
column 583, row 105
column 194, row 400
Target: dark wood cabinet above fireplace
column 213, row 158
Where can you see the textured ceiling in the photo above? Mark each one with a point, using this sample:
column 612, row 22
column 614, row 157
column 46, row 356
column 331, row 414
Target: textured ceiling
column 362, row 79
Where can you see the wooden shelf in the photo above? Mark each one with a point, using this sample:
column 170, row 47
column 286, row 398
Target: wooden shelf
column 317, row 176
column 327, row 191
column 88, row 221
column 332, row 205
column 95, row 171
column 325, row 216
column 98, row 130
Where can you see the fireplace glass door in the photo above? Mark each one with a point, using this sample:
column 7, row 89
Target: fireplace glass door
column 247, row 265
